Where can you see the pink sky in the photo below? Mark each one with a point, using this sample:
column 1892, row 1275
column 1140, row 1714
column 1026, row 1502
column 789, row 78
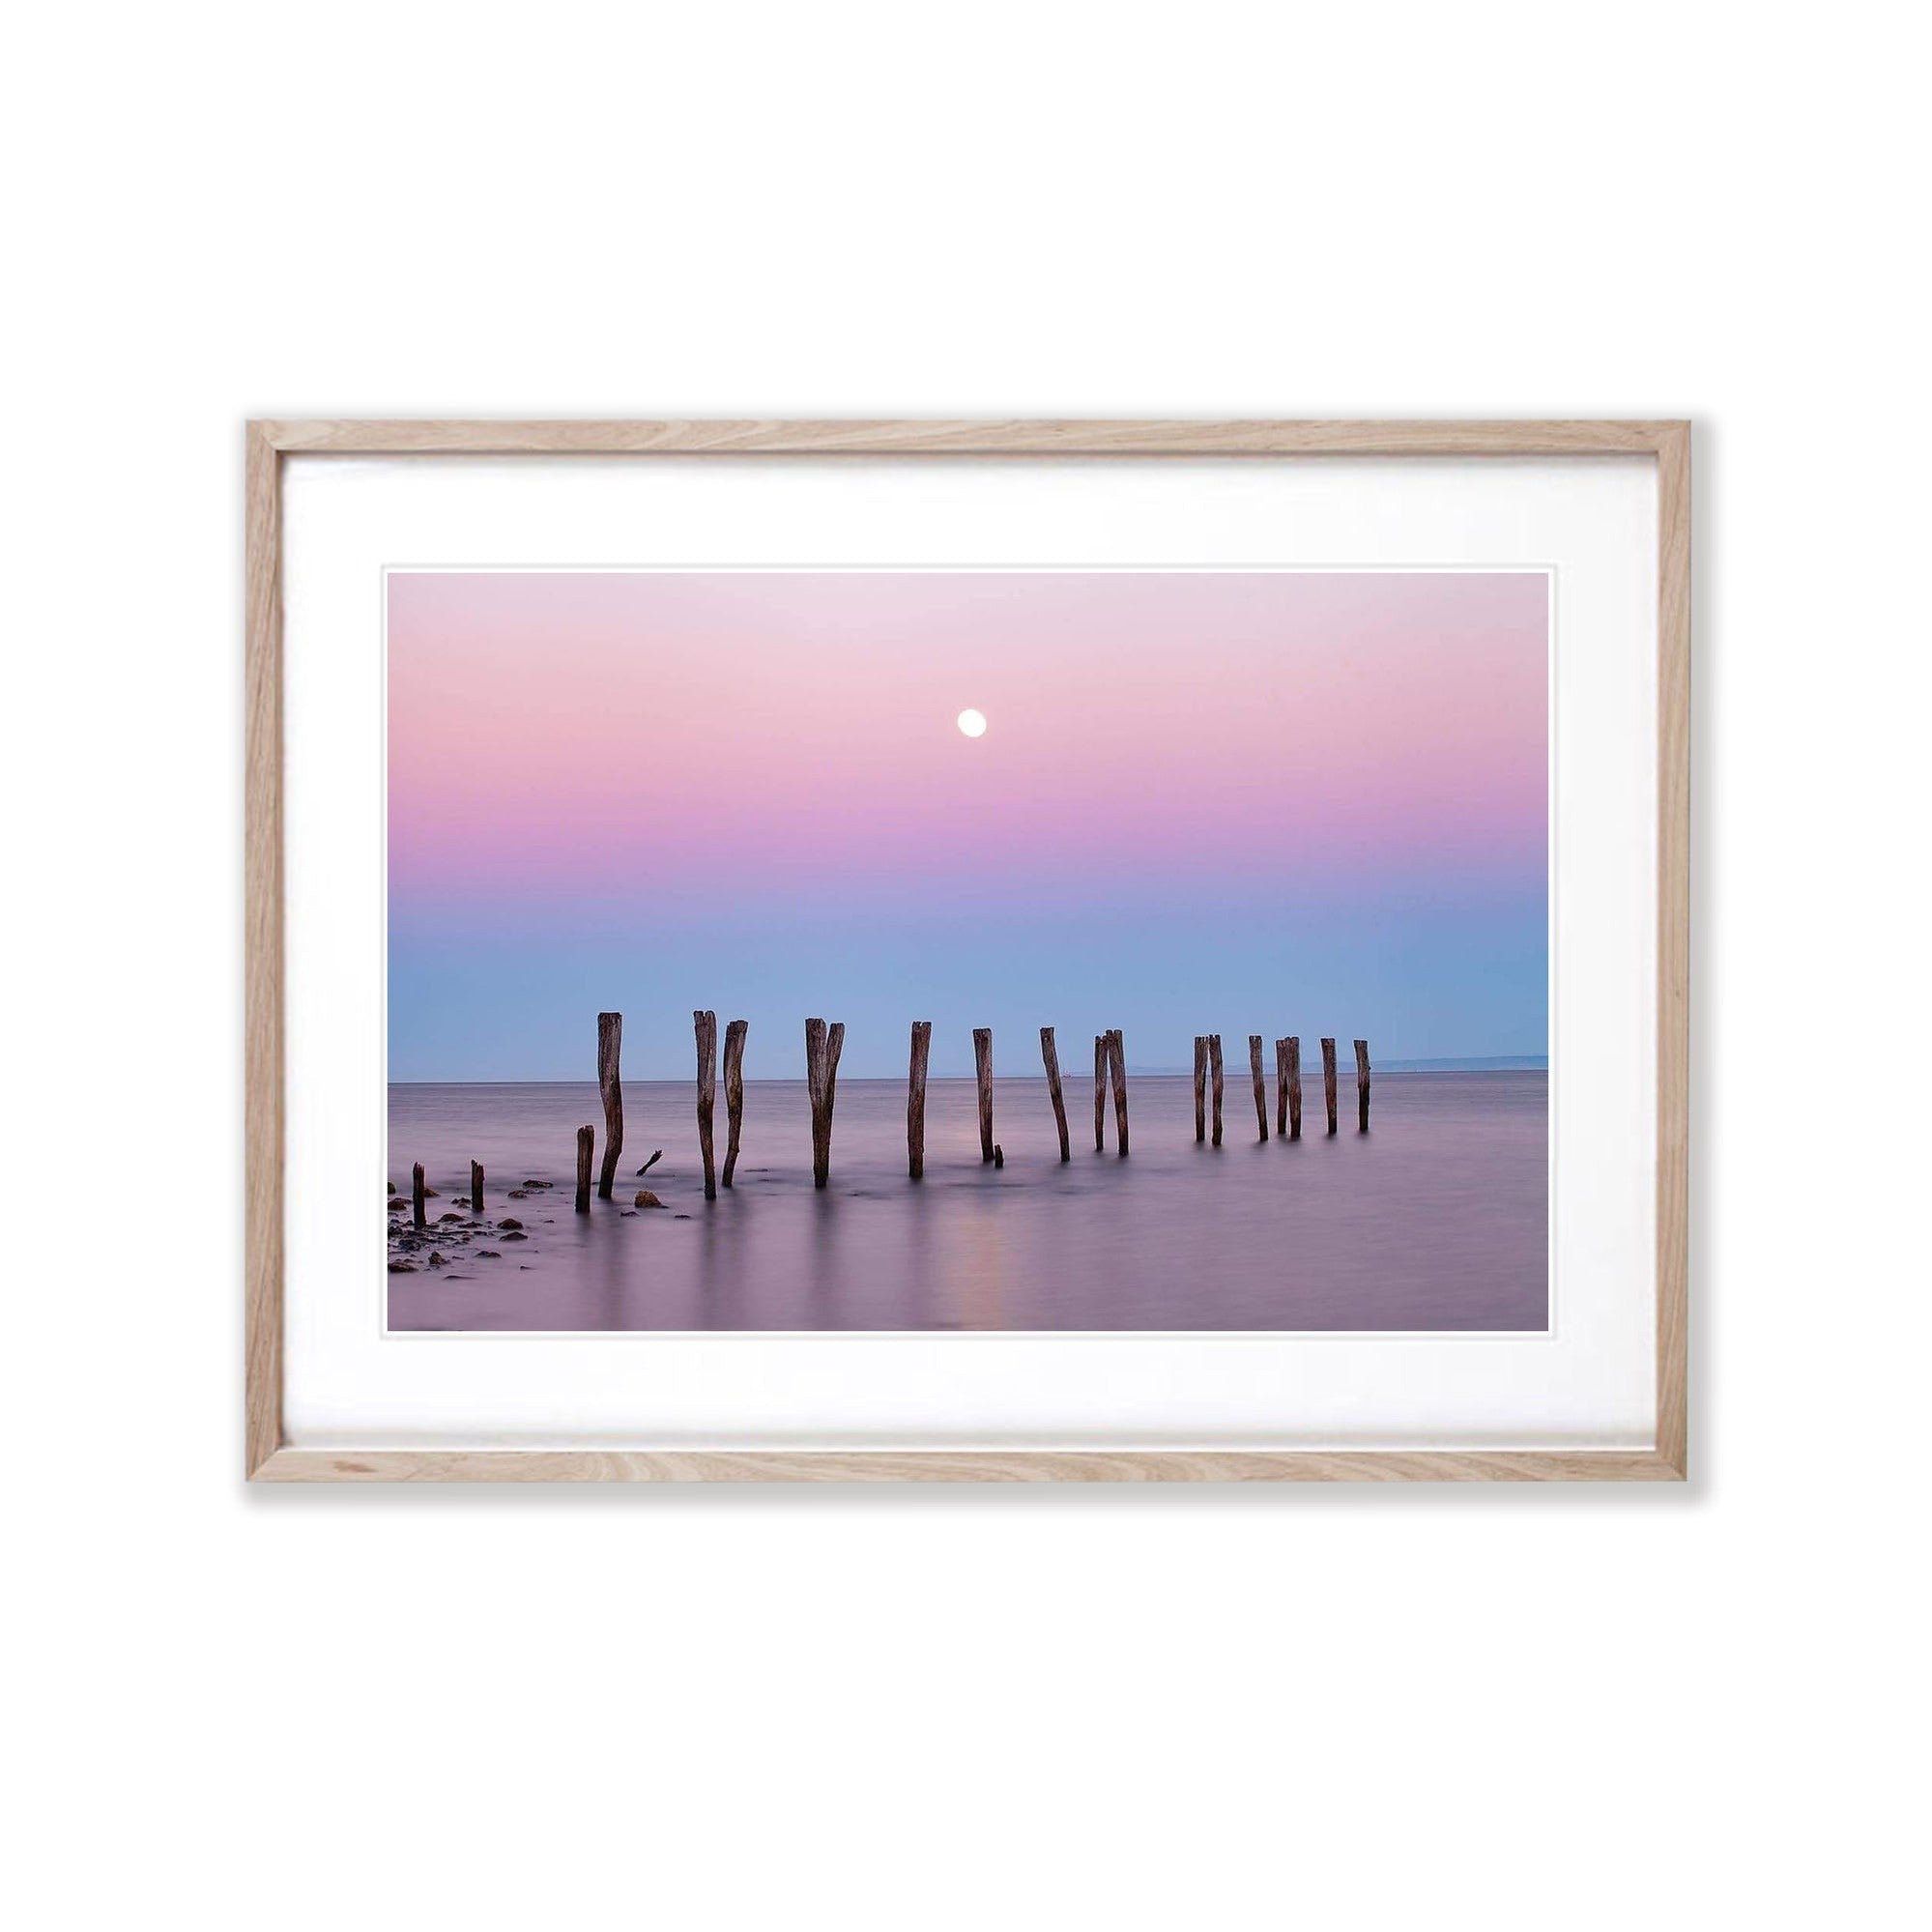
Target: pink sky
column 560, row 737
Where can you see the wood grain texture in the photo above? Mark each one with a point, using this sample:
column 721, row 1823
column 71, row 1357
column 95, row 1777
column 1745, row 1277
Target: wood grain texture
column 1099, row 1093
column 1117, row 1060
column 835, row 1045
column 1050, row 1056
column 1260, row 1080
column 587, row 1150
column 815, row 1087
column 262, row 1022
column 610, row 1087
column 1328, row 1079
column 964, row 1465
column 735, row 1038
column 266, row 1455
column 1200, row 1086
column 1217, row 1081
column 704, row 1029
column 1070, row 437
column 1673, row 947
column 915, row 1098
column 982, row 1070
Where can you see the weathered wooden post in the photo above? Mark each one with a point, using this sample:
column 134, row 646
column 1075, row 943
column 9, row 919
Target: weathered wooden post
column 415, row 1213
column 835, row 1045
column 1362, row 1084
column 706, row 1024
column 1294, row 1086
column 1200, row 1086
column 1117, row 1054
column 1280, row 1089
column 587, row 1146
column 1214, row 1070
column 610, row 1040
column 823, row 1047
column 1328, row 1079
column 733, row 1092
column 814, row 1086
column 1051, row 1055
column 1261, row 1082
column 915, row 1100
column 476, row 1187
column 982, row 1066
column 1099, row 1092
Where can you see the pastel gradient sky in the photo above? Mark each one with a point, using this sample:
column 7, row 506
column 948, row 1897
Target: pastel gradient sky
column 1230, row 801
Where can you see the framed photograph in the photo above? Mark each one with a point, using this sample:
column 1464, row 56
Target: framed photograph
column 952, row 951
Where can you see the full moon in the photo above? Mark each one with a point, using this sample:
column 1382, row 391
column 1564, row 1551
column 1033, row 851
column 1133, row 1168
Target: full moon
column 974, row 724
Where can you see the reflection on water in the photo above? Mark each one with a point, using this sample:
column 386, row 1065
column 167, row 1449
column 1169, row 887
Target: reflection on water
column 1436, row 1219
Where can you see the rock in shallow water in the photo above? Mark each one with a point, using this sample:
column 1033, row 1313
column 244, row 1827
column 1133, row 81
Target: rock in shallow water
column 645, row 1199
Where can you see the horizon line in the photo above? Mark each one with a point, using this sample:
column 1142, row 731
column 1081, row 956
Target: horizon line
column 1447, row 1063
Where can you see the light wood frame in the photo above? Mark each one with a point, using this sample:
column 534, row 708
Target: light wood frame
column 269, row 1459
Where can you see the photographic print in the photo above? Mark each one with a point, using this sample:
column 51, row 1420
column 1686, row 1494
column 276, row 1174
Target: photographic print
column 1027, row 950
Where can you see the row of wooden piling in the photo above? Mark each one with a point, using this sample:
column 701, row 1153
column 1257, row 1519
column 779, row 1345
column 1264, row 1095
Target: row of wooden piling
column 824, row 1046
column 1208, row 1075
column 824, row 1043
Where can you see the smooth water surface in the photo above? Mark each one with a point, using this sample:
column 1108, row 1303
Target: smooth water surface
column 1436, row 1219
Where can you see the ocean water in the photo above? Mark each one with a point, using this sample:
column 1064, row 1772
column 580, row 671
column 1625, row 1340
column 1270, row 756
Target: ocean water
column 1435, row 1219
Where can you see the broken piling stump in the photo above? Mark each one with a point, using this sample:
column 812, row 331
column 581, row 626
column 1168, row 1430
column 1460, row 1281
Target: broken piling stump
column 1328, row 1079
column 1261, row 1082
column 1099, row 1092
column 476, row 1187
column 415, row 1213
column 610, row 1040
column 1214, row 1069
column 1280, row 1089
column 587, row 1146
column 915, row 1098
column 733, row 1092
column 1200, row 1086
column 1294, row 1044
column 982, row 1066
column 1362, row 1084
column 705, row 1025
column 1117, row 1054
column 1049, row 1053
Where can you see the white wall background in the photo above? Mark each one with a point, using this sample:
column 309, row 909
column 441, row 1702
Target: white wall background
column 694, row 1709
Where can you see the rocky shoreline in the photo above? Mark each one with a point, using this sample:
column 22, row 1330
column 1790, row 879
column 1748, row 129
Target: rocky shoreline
column 458, row 1233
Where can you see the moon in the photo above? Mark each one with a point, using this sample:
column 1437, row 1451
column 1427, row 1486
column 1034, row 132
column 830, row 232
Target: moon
column 974, row 724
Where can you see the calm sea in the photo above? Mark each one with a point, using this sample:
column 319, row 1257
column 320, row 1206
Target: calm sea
column 1436, row 1219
